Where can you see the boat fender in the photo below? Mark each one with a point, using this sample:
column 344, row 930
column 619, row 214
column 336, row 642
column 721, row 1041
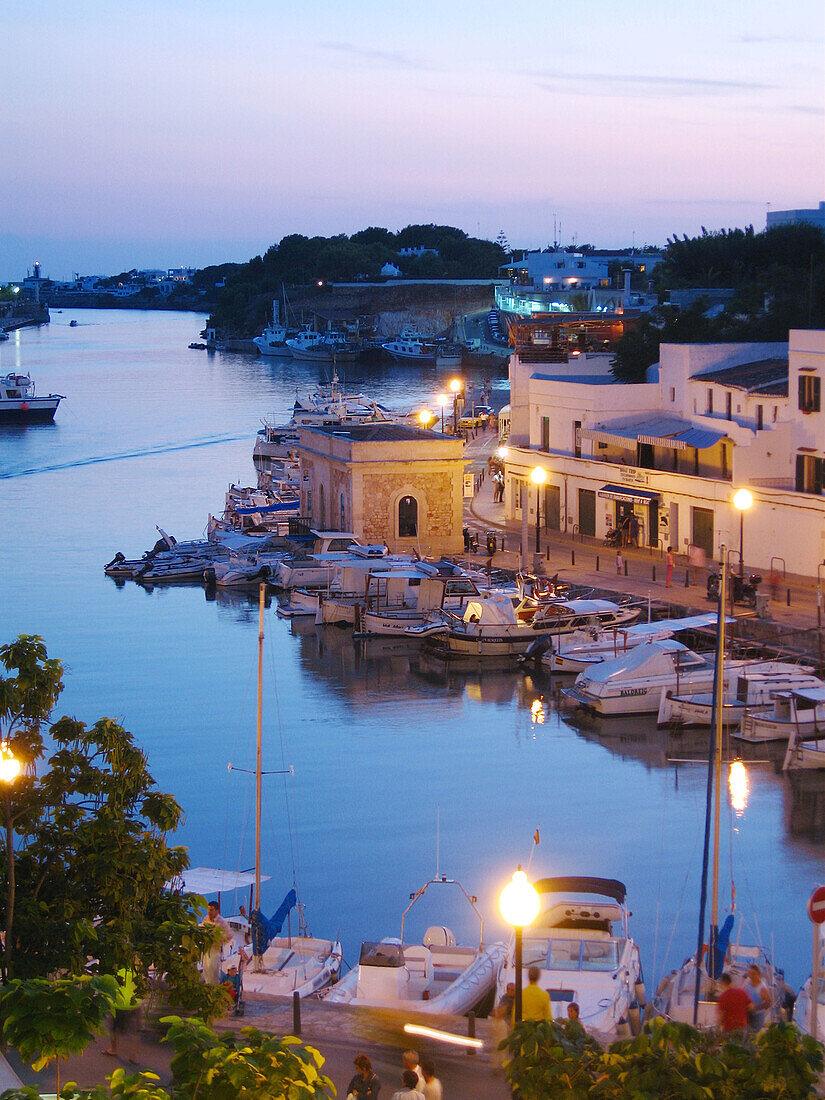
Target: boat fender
column 209, row 575
column 635, row 1019
column 640, row 993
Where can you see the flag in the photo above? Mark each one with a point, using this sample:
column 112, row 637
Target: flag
column 536, row 837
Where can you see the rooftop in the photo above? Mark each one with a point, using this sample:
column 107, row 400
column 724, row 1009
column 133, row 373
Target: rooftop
column 768, row 376
column 379, row 433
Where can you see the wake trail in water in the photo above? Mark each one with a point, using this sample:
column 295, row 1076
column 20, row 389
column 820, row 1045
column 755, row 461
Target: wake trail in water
column 119, row 456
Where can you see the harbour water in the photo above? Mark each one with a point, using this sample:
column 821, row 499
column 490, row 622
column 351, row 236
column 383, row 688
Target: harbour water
column 400, row 763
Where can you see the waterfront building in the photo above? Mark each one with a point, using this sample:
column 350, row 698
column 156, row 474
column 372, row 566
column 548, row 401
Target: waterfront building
column 386, row 483
column 555, row 280
column 797, row 217
column 711, row 419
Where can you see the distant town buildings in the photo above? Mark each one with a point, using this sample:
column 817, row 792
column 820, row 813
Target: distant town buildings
column 672, row 451
column 797, row 217
column 388, row 484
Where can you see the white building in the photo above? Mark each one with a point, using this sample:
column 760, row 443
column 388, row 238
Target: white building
column 797, row 217
column 545, row 281
column 674, row 450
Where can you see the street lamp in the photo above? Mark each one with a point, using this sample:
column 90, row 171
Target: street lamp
column 441, row 401
column 426, row 418
column 456, row 388
column 742, row 499
column 502, row 453
column 519, row 905
column 9, row 770
column 538, row 476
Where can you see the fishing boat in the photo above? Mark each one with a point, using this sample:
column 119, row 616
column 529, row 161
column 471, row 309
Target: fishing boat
column 313, row 568
column 635, row 682
column 270, row 963
column 412, row 346
column 316, row 347
column 801, row 711
column 19, row 403
column 688, row 994
column 488, row 627
column 581, row 944
column 587, row 647
column 756, row 686
column 272, row 340
column 388, row 613
column 434, row 977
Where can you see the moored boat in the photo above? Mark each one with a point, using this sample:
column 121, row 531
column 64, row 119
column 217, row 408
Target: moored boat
column 799, row 711
column 19, row 403
column 755, row 686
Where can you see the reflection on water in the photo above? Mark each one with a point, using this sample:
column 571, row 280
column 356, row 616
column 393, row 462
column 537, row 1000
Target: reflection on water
column 386, row 739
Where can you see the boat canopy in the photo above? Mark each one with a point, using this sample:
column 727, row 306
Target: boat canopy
column 492, row 611
column 212, row 880
column 662, row 626
column 653, row 659
column 579, row 607
column 605, row 887
column 810, row 695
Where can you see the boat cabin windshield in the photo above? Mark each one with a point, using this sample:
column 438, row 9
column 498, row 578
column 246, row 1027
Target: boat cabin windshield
column 602, row 955
column 381, row 954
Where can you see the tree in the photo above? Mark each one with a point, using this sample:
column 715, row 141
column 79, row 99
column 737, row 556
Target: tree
column 250, row 1065
column 46, row 1021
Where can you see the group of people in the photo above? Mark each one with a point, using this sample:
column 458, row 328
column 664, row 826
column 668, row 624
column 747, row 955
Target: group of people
column 418, row 1081
column 740, row 1008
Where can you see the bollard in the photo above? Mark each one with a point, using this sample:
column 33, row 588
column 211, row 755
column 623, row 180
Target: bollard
column 687, row 578
column 296, row 1013
column 597, row 563
column 625, row 568
column 654, row 574
column 547, row 554
column 471, row 1031
column 789, row 597
column 572, row 557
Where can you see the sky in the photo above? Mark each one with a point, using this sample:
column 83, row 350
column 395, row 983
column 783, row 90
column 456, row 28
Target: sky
column 158, row 134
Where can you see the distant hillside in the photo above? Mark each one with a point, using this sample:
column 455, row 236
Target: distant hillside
column 244, row 303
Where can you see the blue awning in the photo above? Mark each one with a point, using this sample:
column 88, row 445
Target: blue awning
column 663, row 431
column 629, row 493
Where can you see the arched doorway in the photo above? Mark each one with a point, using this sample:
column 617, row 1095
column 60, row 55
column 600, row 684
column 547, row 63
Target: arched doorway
column 407, row 518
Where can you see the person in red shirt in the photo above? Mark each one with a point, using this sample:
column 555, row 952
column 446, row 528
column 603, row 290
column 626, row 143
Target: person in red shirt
column 732, row 1006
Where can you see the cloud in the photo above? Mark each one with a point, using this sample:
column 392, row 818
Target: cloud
column 391, row 59
column 598, row 84
column 802, row 109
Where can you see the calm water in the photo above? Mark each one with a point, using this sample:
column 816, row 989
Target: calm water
column 383, row 744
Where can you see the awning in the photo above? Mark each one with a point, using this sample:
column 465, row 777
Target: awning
column 213, row 880
column 629, row 493
column 668, row 432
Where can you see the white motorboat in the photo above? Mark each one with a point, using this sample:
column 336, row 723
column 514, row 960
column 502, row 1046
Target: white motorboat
column 555, row 617
column 315, row 568
column 802, row 1015
column 799, row 711
column 317, row 347
column 591, row 646
column 488, row 627
column 239, row 570
column 395, row 579
column 272, row 340
column 756, row 686
column 585, row 954
column 19, row 403
column 433, row 977
column 258, row 510
column 410, row 345
column 635, row 682
column 806, row 749
column 388, row 613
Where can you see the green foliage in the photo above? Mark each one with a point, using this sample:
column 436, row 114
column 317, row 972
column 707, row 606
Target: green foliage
column 27, row 697
column 667, row 1060
column 249, row 1065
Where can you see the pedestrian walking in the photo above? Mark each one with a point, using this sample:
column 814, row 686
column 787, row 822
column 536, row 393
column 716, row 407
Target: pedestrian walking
column 432, row 1085
column 364, row 1084
column 619, row 562
column 409, row 1089
column 669, row 560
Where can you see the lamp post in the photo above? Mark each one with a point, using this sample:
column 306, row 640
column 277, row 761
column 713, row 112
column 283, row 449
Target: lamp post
column 441, row 400
column 456, row 388
column 426, row 418
column 519, row 905
column 538, row 476
column 742, row 499
column 9, row 770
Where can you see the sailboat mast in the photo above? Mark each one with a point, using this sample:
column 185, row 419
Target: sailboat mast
column 258, row 763
column 718, row 680
column 719, row 677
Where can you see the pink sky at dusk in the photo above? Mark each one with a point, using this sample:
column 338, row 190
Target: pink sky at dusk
column 192, row 133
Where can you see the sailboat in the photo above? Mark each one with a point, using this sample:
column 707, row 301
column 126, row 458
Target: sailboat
column 272, row 964
column 688, row 995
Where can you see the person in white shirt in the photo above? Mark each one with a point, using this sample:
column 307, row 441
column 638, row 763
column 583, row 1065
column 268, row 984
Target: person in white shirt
column 409, row 1091
column 211, row 961
column 410, row 1061
column 432, row 1085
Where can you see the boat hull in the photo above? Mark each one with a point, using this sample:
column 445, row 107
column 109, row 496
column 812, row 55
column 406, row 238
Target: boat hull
column 39, row 410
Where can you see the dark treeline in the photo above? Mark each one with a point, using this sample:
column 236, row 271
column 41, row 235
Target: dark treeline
column 778, row 277
column 297, row 260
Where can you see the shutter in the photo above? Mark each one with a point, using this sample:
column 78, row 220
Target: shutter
column 800, row 471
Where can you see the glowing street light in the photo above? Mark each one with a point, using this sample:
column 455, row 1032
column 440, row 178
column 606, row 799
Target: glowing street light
column 519, row 905
column 742, row 499
column 426, row 417
column 9, row 764
column 538, row 476
column 456, row 387
column 9, row 771
column 502, row 453
column 441, row 401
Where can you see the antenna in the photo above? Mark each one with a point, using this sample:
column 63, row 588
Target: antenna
column 437, row 840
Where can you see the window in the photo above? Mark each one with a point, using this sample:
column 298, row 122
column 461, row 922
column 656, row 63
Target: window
column 809, row 393
column 672, row 393
column 577, row 439
column 710, row 402
column 809, row 471
column 760, row 417
column 407, row 518
column 727, row 406
column 545, row 433
column 343, row 513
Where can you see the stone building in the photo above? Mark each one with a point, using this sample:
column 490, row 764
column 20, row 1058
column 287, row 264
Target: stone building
column 386, row 483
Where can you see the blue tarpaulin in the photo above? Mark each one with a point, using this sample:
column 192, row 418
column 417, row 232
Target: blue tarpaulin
column 720, row 937
column 263, row 929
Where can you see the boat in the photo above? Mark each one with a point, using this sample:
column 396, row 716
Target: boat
column 756, row 686
column 433, row 977
column 72, row 324
column 588, row 647
column 555, row 616
column 412, row 346
column 388, row 613
column 272, row 340
column 806, row 748
column 314, row 568
column 19, row 403
column 799, row 711
column 688, row 994
column 489, row 626
column 803, row 1017
column 312, row 346
column 581, row 944
column 4, row 335
column 635, row 682
column 448, row 356
column 270, row 963
column 398, row 578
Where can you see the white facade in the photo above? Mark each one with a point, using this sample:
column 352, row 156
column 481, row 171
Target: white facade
column 674, row 451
